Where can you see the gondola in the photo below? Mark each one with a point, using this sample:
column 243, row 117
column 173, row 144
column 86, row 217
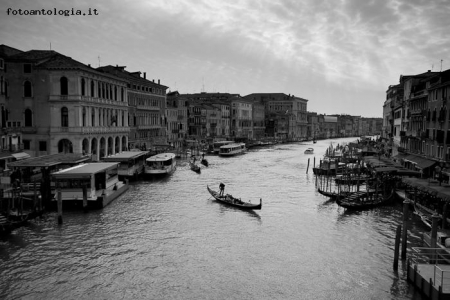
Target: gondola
column 230, row 200
column 194, row 167
column 333, row 195
column 363, row 200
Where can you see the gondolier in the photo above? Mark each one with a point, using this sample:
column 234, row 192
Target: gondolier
column 221, row 188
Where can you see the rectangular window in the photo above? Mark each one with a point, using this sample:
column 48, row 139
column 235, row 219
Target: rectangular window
column 27, row 68
column 2, row 64
column 26, row 144
column 42, row 146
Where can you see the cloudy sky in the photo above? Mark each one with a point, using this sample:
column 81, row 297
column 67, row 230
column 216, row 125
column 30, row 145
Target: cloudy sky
column 341, row 55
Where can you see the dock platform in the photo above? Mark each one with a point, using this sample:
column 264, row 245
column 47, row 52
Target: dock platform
column 429, row 274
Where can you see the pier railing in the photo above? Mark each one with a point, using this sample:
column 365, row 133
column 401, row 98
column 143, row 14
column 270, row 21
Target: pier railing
column 442, row 277
column 426, row 255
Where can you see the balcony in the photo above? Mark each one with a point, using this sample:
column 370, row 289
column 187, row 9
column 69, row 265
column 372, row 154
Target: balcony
column 148, row 107
column 29, row 130
column 88, row 99
column 53, row 98
column 416, row 111
column 89, row 130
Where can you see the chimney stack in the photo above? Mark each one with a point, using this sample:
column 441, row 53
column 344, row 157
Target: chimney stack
column 158, row 81
column 145, row 75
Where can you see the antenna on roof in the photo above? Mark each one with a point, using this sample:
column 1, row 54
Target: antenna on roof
column 203, row 85
column 99, row 60
column 441, row 63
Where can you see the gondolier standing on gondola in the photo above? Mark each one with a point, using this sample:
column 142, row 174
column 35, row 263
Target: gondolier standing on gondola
column 221, row 188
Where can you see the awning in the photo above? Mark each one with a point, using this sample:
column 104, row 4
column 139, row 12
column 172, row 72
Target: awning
column 420, row 162
column 20, row 155
column 400, row 155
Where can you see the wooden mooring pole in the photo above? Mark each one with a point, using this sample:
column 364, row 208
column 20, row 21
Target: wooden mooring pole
column 85, row 206
column 307, row 167
column 406, row 204
column 444, row 216
column 397, row 246
column 434, row 228
column 60, row 219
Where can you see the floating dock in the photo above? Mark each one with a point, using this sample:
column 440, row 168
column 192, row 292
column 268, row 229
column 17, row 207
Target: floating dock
column 429, row 274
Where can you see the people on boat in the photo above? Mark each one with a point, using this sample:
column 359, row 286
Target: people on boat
column 221, row 188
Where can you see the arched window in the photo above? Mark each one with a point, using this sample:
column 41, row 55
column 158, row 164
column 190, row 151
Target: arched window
column 64, row 86
column 27, row 89
column 121, row 95
column 28, row 118
column 83, row 87
column 115, row 93
column 92, row 88
column 99, row 89
column 64, row 117
column 93, row 117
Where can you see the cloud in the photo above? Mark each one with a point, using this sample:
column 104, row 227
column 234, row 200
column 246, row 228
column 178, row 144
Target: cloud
column 315, row 49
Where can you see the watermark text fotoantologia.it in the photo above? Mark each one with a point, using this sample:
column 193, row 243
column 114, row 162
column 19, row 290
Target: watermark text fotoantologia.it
column 52, row 12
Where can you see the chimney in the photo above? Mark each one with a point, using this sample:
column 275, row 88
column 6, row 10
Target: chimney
column 153, row 80
column 89, row 65
column 429, row 71
column 145, row 75
column 158, row 81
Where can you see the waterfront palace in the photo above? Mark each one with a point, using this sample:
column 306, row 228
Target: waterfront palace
column 416, row 121
column 51, row 103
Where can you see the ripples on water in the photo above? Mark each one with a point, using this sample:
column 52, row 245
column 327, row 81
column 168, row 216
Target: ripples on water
column 166, row 239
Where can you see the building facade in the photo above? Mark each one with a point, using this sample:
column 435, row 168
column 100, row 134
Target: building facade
column 86, row 110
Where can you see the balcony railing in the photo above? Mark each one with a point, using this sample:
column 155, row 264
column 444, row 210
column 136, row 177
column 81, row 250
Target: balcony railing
column 77, row 98
column 148, row 107
column 416, row 111
column 29, row 130
column 89, row 130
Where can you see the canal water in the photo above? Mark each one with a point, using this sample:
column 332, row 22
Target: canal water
column 166, row 239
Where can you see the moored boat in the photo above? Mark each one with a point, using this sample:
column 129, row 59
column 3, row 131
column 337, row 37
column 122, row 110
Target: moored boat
column 131, row 163
column 100, row 179
column 232, row 149
column 365, row 200
column 160, row 164
column 232, row 201
column 334, row 195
